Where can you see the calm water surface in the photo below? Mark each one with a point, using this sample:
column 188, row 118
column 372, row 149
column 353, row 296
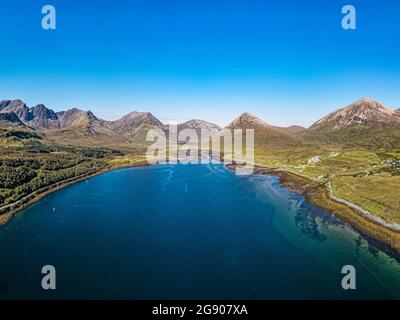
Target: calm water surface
column 187, row 231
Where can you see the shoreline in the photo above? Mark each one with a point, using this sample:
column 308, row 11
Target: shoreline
column 393, row 226
column 321, row 196
column 315, row 192
column 33, row 198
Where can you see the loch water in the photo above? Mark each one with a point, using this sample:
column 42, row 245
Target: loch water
column 187, row 232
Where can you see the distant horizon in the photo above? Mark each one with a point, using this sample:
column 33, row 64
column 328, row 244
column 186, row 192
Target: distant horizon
column 288, row 62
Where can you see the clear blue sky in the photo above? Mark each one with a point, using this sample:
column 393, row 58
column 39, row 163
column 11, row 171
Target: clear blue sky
column 287, row 61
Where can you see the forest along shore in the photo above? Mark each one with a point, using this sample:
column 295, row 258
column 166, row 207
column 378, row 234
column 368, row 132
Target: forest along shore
column 8, row 211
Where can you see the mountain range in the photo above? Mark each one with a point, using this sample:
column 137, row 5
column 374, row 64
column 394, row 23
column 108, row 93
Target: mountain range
column 364, row 123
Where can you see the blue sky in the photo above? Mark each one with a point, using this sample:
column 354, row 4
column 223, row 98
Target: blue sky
column 287, row 61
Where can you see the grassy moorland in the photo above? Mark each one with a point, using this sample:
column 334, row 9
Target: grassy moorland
column 368, row 179
column 128, row 160
column 377, row 194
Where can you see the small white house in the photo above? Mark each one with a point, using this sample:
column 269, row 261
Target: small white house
column 314, row 160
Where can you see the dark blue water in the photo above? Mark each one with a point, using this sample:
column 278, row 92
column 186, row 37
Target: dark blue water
column 194, row 231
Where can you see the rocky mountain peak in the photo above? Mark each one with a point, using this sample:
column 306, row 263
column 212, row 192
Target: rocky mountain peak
column 10, row 119
column 370, row 105
column 361, row 112
column 198, row 124
column 16, row 106
column 248, row 120
column 74, row 117
column 134, row 120
column 91, row 115
column 11, row 103
column 41, row 111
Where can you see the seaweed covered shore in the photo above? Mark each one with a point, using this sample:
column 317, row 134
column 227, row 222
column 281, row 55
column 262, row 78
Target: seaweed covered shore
column 319, row 194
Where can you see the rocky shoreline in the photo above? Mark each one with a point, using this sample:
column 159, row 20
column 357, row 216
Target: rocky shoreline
column 320, row 195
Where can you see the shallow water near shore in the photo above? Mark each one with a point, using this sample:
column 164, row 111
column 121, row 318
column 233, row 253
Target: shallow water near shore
column 187, row 232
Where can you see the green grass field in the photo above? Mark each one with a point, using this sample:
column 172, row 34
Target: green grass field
column 356, row 175
column 377, row 194
column 348, row 162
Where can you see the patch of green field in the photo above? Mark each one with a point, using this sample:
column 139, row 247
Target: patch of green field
column 332, row 162
column 374, row 190
column 377, row 194
column 349, row 162
column 394, row 155
column 294, row 156
column 127, row 160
